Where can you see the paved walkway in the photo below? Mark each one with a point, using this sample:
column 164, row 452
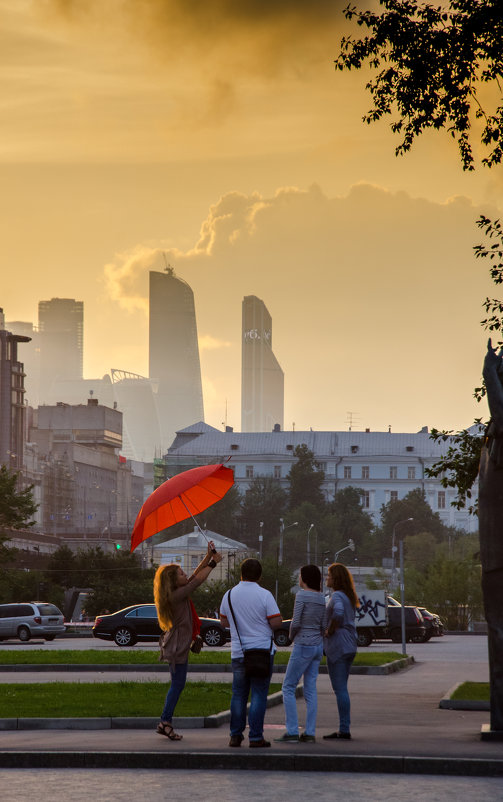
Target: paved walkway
column 397, row 726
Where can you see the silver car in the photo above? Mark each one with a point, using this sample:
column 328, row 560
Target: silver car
column 29, row 620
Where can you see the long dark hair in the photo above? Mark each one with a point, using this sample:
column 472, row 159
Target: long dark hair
column 342, row 580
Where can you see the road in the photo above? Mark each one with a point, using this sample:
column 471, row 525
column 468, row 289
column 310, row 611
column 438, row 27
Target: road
column 154, row 786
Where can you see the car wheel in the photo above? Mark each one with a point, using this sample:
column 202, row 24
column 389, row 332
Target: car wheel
column 124, row 637
column 418, row 637
column 23, row 634
column 363, row 638
column 49, row 637
column 396, row 635
column 213, row 636
column 281, row 638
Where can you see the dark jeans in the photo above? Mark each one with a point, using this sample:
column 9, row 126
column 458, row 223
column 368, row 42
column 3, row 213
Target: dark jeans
column 241, row 687
column 178, row 677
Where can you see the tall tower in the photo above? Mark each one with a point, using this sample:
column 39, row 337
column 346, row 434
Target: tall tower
column 174, row 353
column 262, row 379
column 61, row 334
column 12, row 409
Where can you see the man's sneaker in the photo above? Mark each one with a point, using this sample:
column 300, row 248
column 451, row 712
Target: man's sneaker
column 235, row 740
column 307, row 739
column 346, row 736
column 286, row 738
column 259, row 744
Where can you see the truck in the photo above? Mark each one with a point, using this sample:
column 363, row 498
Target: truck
column 379, row 618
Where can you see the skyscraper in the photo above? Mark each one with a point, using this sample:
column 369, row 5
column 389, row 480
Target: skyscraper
column 174, row 353
column 61, row 334
column 262, row 379
column 12, row 409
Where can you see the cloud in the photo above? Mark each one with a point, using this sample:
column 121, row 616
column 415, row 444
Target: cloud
column 209, row 343
column 367, row 285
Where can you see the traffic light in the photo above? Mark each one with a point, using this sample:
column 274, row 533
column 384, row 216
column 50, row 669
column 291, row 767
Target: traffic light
column 118, row 546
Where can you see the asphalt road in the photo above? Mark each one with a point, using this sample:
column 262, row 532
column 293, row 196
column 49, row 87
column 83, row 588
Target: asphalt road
column 227, row 786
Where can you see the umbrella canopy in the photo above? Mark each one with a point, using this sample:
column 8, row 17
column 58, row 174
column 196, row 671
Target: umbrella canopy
column 181, row 497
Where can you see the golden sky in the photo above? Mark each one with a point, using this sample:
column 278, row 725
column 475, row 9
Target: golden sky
column 219, row 134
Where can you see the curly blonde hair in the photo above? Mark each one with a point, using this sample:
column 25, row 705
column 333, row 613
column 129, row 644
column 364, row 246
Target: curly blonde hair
column 165, row 582
column 342, row 580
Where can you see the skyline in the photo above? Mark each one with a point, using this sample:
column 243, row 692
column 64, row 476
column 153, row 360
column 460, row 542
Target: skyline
column 252, row 176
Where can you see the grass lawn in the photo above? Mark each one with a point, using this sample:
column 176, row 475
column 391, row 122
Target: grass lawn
column 472, row 691
column 101, row 699
column 120, row 656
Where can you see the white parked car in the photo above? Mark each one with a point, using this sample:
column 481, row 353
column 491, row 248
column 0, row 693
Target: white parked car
column 31, row 620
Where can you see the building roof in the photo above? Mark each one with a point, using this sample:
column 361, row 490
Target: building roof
column 322, row 444
column 195, row 540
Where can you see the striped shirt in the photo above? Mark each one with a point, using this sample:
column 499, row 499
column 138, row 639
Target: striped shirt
column 309, row 618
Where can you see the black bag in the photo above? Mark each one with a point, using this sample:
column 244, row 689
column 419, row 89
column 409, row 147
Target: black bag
column 197, row 644
column 257, row 663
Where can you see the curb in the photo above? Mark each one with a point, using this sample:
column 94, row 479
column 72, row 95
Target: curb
column 380, row 764
column 446, row 703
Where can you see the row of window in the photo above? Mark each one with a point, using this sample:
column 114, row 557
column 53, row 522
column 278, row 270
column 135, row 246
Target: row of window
column 393, row 496
column 365, row 472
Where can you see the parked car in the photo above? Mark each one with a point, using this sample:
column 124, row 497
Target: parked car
column 281, row 634
column 139, row 623
column 433, row 624
column 31, row 620
column 414, row 625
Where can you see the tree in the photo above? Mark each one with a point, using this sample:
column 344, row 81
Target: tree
column 351, row 520
column 265, row 501
column 415, row 506
column 221, row 517
column 433, row 64
column 306, row 479
column 16, row 506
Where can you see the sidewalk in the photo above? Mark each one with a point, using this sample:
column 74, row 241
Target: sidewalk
column 397, row 726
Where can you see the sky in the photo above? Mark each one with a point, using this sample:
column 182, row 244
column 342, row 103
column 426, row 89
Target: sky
column 218, row 137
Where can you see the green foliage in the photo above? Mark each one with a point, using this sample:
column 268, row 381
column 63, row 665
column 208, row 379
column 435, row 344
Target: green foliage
column 432, row 64
column 271, row 572
column 415, row 506
column 265, row 502
column 221, row 517
column 306, row 479
column 16, row 506
column 207, row 597
column 351, row 520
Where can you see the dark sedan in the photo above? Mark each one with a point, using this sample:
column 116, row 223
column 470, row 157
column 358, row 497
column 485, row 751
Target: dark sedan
column 139, row 623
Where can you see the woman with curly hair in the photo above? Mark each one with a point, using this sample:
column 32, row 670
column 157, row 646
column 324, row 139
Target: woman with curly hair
column 340, row 641
column 179, row 620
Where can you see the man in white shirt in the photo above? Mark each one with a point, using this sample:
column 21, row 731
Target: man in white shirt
column 257, row 615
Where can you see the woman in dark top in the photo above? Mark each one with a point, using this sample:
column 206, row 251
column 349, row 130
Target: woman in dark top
column 177, row 616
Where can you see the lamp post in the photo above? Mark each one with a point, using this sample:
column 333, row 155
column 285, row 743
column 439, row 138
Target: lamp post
column 260, row 539
column 323, row 561
column 394, row 550
column 351, row 545
column 308, row 548
column 282, row 528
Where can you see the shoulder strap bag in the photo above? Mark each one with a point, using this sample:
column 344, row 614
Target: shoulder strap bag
column 257, row 662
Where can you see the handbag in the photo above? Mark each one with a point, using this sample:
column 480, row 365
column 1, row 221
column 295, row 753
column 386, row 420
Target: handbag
column 197, row 644
column 257, row 662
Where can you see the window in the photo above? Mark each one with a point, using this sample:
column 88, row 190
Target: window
column 441, row 499
column 365, row 499
column 249, row 471
column 347, row 472
column 393, row 496
column 411, row 472
column 393, row 472
column 277, row 471
column 365, row 472
column 322, row 466
column 354, row 449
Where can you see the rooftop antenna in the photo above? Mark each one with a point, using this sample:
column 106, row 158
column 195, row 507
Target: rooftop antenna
column 167, row 267
column 351, row 420
column 224, row 422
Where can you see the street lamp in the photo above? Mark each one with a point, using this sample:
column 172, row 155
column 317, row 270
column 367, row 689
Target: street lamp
column 394, row 550
column 260, row 539
column 402, row 583
column 351, row 545
column 324, row 559
column 282, row 528
column 308, row 551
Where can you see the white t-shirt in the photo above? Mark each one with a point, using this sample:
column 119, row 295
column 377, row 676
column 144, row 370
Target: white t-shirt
column 253, row 607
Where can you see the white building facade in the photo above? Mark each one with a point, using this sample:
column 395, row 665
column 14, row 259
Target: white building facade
column 385, row 466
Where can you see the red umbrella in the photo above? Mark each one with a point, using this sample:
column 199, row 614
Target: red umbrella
column 179, row 498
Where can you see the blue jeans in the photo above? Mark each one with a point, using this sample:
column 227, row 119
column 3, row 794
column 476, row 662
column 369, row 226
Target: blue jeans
column 241, row 686
column 304, row 660
column 339, row 673
column 178, row 677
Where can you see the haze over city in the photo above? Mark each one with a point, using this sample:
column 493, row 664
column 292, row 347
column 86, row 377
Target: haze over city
column 219, row 138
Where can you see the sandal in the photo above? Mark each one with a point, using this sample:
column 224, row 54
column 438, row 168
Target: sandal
column 165, row 728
